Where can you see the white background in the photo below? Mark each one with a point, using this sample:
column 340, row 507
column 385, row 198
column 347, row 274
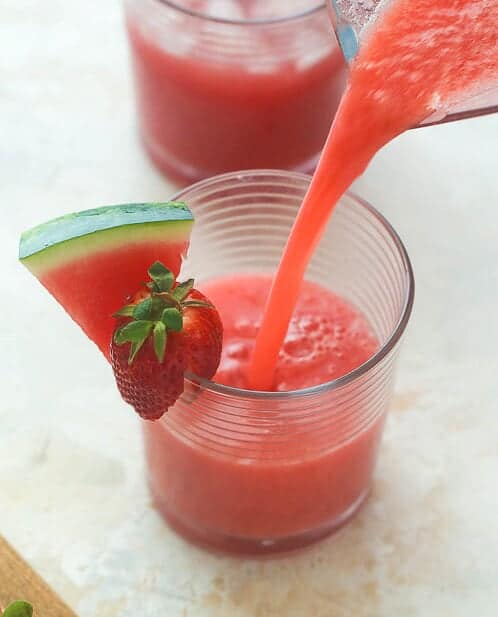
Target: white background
column 72, row 494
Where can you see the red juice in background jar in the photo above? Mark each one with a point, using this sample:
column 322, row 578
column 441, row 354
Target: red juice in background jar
column 229, row 85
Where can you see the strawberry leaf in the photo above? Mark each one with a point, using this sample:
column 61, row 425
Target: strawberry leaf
column 182, row 290
column 156, row 308
column 133, row 332
column 160, row 338
column 162, row 277
column 197, row 303
column 134, row 349
column 143, row 309
column 18, row 609
column 173, row 319
column 125, row 311
column 118, row 339
column 150, row 308
column 167, row 298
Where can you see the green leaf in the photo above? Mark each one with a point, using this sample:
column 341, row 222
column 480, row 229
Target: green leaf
column 133, row 332
column 173, row 319
column 197, row 303
column 125, row 311
column 160, row 338
column 162, row 277
column 167, row 298
column 158, row 270
column 182, row 290
column 143, row 309
column 118, row 339
column 18, row 609
column 134, row 349
column 150, row 308
column 157, row 307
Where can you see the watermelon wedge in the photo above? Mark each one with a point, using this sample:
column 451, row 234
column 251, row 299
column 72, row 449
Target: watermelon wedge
column 93, row 261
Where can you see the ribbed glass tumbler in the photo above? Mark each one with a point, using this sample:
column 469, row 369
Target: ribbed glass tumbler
column 260, row 472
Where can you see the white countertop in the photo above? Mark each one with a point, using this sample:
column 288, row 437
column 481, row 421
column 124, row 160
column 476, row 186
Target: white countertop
column 72, row 495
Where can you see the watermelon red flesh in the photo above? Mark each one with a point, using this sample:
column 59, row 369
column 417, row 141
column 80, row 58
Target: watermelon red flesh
column 93, row 261
column 92, row 287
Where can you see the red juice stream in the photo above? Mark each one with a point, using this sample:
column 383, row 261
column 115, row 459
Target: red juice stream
column 418, row 58
column 327, row 336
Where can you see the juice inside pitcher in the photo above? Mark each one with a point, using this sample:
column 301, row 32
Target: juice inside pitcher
column 354, row 19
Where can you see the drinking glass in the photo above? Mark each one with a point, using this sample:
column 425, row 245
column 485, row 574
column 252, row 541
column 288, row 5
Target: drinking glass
column 261, row 472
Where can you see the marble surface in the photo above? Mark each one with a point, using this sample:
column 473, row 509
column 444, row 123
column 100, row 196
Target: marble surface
column 72, row 494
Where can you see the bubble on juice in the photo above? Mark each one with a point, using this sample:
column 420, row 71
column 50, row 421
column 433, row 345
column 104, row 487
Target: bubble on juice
column 339, row 332
column 246, row 329
column 310, row 325
column 238, row 350
column 326, row 342
column 298, row 347
column 231, row 372
column 326, row 338
column 331, row 369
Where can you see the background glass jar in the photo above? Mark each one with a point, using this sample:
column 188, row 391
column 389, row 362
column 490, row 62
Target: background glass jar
column 224, row 85
column 268, row 471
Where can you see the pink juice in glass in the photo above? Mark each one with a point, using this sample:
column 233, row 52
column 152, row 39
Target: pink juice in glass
column 216, row 96
column 269, row 486
column 265, row 471
column 326, row 339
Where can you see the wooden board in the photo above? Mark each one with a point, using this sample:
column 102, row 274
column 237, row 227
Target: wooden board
column 18, row 581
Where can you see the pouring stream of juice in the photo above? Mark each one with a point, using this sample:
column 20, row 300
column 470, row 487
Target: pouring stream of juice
column 417, row 59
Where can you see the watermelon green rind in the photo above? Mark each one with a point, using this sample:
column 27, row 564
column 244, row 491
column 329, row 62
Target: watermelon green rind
column 105, row 240
column 109, row 219
column 92, row 262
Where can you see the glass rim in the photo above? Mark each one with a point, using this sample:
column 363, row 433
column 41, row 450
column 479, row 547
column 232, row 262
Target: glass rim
column 362, row 369
column 172, row 4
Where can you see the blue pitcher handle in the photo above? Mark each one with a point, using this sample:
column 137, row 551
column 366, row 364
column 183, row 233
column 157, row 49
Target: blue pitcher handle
column 347, row 37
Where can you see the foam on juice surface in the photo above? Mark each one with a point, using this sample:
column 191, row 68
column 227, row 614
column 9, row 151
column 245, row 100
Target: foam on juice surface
column 327, row 336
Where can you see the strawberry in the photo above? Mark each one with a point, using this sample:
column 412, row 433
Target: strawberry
column 168, row 328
